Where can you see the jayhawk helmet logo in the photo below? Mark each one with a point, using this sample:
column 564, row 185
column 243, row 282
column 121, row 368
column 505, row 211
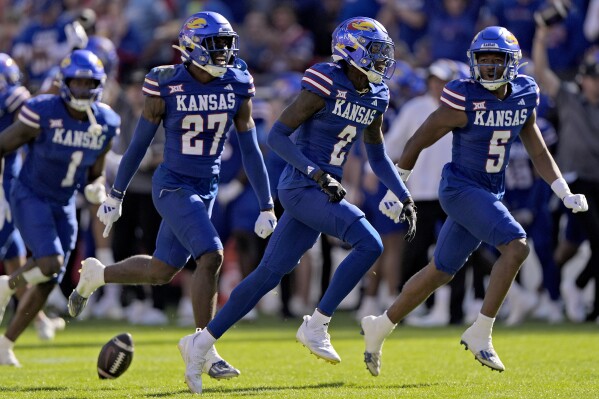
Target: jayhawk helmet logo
column 196, row 23
column 361, row 25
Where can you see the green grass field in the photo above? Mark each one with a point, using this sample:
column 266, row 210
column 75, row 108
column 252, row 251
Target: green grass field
column 542, row 361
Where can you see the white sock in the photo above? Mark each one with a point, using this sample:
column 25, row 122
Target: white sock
column 385, row 323
column 483, row 326
column 318, row 319
column 6, row 343
column 205, row 340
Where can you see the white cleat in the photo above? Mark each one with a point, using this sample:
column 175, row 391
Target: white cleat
column 46, row 328
column 574, row 301
column 194, row 361
column 373, row 340
column 5, row 295
column 217, row 367
column 317, row 340
column 483, row 350
column 91, row 278
column 7, row 355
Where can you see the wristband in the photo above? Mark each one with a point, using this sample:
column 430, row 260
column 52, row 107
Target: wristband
column 560, row 188
column 403, row 173
column 114, row 193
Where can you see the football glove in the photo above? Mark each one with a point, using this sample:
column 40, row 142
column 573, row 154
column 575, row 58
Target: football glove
column 331, row 187
column 265, row 224
column 409, row 214
column 5, row 214
column 390, row 206
column 109, row 212
column 95, row 193
column 576, row 202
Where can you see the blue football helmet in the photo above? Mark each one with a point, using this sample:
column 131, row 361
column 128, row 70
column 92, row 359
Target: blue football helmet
column 10, row 74
column 208, row 41
column 495, row 39
column 81, row 64
column 364, row 43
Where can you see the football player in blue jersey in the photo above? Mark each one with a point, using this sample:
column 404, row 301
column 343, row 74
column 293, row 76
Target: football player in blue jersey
column 67, row 136
column 197, row 102
column 12, row 249
column 486, row 114
column 339, row 102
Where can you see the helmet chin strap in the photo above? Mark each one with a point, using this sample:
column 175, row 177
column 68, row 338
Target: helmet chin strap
column 213, row 70
column 95, row 128
column 372, row 76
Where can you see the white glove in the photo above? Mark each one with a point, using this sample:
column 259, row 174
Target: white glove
column 109, row 212
column 228, row 192
column 76, row 36
column 265, row 224
column 391, row 206
column 576, row 202
column 95, row 193
column 5, row 214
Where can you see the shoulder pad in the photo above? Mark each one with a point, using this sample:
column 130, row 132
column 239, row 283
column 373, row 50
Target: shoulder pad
column 110, row 116
column 454, row 94
column 318, row 79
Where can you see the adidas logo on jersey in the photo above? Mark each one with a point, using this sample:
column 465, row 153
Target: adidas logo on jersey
column 522, row 102
column 228, row 87
column 374, row 103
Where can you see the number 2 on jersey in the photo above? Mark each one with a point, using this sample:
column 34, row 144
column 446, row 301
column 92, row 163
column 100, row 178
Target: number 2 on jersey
column 192, row 145
column 497, row 150
column 346, row 136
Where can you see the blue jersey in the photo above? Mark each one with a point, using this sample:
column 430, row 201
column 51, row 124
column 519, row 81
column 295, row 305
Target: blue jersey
column 327, row 136
column 197, row 116
column 11, row 99
column 59, row 158
column 483, row 145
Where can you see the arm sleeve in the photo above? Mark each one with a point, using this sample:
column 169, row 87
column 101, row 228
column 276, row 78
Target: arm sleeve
column 385, row 170
column 278, row 139
column 253, row 163
column 144, row 133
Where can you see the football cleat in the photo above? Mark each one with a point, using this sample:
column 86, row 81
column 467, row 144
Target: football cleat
column 217, row 367
column 194, row 362
column 373, row 340
column 317, row 340
column 91, row 278
column 483, row 350
column 46, row 328
column 7, row 355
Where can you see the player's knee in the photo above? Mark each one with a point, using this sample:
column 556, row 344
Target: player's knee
column 518, row 250
column 161, row 273
column 210, row 262
column 50, row 265
column 365, row 238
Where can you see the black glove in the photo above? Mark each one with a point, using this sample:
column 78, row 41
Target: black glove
column 331, row 187
column 408, row 213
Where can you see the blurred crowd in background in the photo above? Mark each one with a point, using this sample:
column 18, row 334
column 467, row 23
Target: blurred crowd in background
column 278, row 41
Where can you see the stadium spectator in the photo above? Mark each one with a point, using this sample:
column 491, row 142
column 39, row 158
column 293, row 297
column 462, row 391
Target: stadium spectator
column 68, row 136
column 197, row 101
column 472, row 185
column 577, row 104
column 339, row 102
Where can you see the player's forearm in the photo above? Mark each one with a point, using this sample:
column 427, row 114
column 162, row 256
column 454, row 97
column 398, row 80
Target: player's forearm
column 144, row 133
column 385, row 170
column 546, row 167
column 255, row 169
column 278, row 139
